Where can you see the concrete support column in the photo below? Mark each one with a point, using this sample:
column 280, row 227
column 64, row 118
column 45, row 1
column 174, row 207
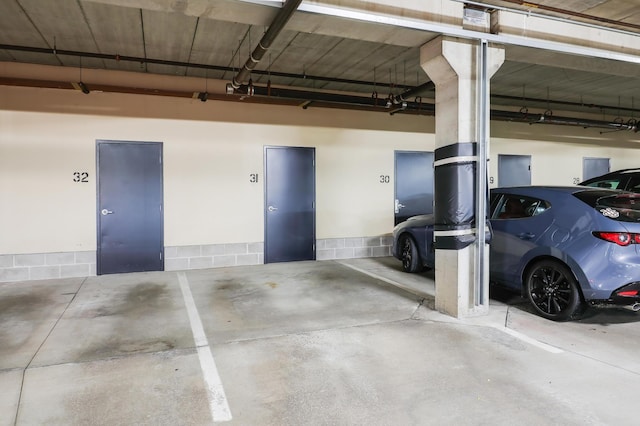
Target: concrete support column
column 452, row 64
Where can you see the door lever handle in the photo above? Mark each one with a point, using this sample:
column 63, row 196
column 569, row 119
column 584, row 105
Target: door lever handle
column 272, row 209
column 106, row 212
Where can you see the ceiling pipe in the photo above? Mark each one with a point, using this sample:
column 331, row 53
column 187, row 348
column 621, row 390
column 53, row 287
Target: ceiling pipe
column 281, row 19
column 524, row 102
column 630, row 125
column 330, row 100
column 307, row 98
column 413, row 92
column 396, row 99
column 141, row 60
column 317, row 98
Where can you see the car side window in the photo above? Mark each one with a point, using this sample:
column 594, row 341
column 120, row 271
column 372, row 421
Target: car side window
column 634, row 184
column 518, row 207
column 608, row 183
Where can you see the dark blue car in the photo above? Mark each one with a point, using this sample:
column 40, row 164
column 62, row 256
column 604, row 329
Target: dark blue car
column 563, row 248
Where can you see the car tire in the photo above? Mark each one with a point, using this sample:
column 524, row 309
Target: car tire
column 409, row 255
column 553, row 291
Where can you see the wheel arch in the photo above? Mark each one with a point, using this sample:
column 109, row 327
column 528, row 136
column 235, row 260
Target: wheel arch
column 533, row 260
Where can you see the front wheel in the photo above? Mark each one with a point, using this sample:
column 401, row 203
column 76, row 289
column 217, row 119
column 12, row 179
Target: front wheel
column 553, row 290
column 409, row 255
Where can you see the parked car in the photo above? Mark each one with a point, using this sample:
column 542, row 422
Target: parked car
column 564, row 248
column 626, row 179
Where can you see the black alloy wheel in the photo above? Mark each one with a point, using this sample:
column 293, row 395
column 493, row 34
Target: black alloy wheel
column 410, row 256
column 553, row 291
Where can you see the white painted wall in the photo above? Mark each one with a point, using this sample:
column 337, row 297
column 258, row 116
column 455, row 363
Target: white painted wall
column 557, row 152
column 211, row 149
column 47, row 135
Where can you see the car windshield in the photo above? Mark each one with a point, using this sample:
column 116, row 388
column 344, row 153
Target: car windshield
column 624, row 206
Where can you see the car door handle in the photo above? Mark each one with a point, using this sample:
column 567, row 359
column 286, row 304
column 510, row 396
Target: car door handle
column 526, row 236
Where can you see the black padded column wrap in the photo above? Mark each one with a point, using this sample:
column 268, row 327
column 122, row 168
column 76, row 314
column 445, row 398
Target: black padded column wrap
column 455, row 198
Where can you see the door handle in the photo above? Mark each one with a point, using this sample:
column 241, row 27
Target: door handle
column 272, row 209
column 526, row 236
column 398, row 206
column 106, row 212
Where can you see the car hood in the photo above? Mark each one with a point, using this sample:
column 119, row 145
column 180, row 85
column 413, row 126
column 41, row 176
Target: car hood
column 420, row 220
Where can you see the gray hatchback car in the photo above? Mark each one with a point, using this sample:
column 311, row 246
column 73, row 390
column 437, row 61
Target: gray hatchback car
column 626, row 179
column 564, row 248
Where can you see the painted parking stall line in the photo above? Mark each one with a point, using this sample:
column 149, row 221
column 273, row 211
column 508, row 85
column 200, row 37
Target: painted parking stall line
column 218, row 404
column 513, row 333
column 386, row 280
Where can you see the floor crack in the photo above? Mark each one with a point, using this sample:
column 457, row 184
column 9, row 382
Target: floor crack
column 506, row 317
column 24, row 370
column 415, row 311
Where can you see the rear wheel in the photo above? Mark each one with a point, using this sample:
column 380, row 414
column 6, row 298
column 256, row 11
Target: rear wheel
column 409, row 255
column 553, row 290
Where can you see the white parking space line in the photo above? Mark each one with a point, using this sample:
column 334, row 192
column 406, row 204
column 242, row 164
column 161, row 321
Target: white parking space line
column 387, row 280
column 530, row 340
column 513, row 333
column 218, row 404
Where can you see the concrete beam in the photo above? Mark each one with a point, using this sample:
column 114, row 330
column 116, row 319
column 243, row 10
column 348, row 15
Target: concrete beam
column 532, row 56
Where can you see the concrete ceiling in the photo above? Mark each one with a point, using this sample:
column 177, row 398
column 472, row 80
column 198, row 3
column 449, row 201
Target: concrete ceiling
column 346, row 54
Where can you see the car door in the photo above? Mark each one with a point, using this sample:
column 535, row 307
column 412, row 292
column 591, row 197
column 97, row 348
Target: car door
column 518, row 224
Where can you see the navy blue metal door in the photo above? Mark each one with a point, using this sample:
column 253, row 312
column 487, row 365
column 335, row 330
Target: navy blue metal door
column 130, row 218
column 592, row 167
column 514, row 170
column 290, row 219
column 414, row 184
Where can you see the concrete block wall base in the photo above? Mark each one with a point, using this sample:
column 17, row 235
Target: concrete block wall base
column 180, row 258
column 42, row 266
column 353, row 248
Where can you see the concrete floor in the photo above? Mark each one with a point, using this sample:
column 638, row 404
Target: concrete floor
column 307, row 343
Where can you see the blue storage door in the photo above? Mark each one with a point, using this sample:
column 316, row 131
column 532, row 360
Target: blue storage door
column 413, row 184
column 289, row 204
column 130, row 216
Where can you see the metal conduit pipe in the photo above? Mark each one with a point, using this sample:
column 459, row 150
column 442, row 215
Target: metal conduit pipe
column 524, row 102
column 631, row 125
column 307, row 98
column 281, row 19
column 397, row 99
column 415, row 91
column 141, row 60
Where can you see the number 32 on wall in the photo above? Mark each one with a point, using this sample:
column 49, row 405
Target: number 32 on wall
column 81, row 177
